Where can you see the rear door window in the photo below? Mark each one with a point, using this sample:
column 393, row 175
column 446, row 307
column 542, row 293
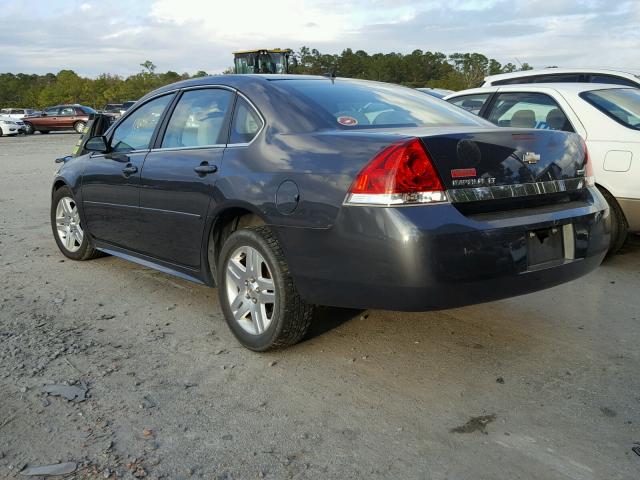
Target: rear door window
column 471, row 103
column 246, row 123
column 67, row 111
column 528, row 110
column 199, row 119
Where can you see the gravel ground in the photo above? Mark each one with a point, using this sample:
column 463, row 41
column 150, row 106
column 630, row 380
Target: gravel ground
column 544, row 386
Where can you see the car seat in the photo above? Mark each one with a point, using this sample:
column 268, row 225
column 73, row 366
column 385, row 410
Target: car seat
column 557, row 121
column 523, row 119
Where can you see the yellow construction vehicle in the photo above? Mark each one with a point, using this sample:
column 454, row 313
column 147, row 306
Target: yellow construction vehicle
column 262, row 60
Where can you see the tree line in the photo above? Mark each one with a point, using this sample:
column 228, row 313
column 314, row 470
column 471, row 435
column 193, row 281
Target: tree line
column 416, row 69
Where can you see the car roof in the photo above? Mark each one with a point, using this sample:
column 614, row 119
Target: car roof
column 569, row 87
column 237, row 81
column 631, row 74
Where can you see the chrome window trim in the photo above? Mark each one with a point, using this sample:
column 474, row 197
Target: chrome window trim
column 219, row 145
column 264, row 123
column 498, row 192
column 102, row 155
column 198, row 147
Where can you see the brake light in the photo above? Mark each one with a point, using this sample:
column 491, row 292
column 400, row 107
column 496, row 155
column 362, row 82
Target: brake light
column 588, row 167
column 400, row 174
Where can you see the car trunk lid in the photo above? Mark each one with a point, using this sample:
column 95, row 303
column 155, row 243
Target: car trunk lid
column 493, row 164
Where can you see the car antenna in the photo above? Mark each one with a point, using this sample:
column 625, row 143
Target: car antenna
column 330, row 74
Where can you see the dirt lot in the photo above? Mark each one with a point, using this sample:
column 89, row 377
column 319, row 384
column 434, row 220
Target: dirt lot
column 544, row 386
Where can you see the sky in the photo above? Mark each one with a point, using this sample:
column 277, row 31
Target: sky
column 115, row 36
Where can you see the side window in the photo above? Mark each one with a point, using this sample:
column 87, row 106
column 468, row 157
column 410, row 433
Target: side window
column 612, row 80
column 67, row 111
column 246, row 123
column 471, row 103
column 558, row 78
column 135, row 131
column 52, row 111
column 199, row 119
column 528, row 110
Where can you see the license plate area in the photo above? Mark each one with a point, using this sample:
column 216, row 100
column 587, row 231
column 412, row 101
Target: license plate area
column 545, row 247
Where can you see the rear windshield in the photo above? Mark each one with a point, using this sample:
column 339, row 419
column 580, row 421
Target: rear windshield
column 621, row 104
column 361, row 104
column 87, row 110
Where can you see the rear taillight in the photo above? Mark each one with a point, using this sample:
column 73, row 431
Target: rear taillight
column 588, row 168
column 400, row 174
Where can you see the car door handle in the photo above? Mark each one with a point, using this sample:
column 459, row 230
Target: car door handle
column 129, row 169
column 205, row 168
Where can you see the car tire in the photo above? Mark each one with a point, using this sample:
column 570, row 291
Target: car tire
column 44, row 132
column 619, row 226
column 1, row 133
column 28, row 128
column 73, row 240
column 263, row 310
column 79, row 127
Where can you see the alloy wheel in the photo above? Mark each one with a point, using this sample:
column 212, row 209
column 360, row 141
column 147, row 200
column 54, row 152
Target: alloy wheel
column 250, row 290
column 68, row 226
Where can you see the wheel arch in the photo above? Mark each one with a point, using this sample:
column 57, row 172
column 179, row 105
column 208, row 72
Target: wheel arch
column 224, row 223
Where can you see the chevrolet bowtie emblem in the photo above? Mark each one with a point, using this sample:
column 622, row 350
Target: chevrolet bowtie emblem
column 531, row 157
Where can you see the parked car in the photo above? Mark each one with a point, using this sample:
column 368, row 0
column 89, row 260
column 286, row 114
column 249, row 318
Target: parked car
column 332, row 191
column 18, row 113
column 113, row 109
column 11, row 126
column 60, row 117
column 607, row 117
column 435, row 92
column 127, row 105
column 566, row 75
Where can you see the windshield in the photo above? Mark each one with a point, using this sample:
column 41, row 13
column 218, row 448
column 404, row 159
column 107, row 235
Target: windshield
column 621, row 104
column 362, row 104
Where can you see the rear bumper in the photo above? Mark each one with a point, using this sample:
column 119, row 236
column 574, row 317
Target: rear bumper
column 433, row 257
column 631, row 209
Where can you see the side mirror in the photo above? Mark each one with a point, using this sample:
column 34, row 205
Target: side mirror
column 97, row 144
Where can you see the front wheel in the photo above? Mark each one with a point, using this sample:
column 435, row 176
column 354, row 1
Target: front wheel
column 79, row 127
column 258, row 297
column 28, row 128
column 68, row 231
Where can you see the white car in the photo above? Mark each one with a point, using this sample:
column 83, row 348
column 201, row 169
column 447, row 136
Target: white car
column 18, row 113
column 11, row 126
column 606, row 116
column 566, row 75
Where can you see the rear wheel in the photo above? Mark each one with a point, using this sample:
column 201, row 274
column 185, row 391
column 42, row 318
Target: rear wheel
column 68, row 231
column 258, row 297
column 619, row 225
column 79, row 127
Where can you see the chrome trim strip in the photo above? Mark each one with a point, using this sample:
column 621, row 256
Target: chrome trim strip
column 496, row 192
column 198, row 147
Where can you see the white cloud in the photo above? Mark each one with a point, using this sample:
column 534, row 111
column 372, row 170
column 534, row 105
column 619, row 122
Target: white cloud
column 190, row 35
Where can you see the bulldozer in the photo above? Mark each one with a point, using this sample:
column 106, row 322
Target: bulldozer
column 262, row 61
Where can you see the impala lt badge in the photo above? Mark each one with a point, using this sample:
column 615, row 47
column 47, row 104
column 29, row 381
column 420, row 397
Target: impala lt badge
column 531, row 157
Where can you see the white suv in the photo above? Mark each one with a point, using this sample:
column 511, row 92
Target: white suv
column 565, row 75
column 607, row 117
